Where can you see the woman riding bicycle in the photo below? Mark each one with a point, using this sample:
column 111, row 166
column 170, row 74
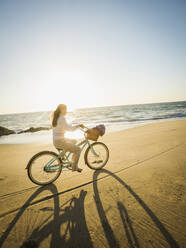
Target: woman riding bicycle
column 59, row 127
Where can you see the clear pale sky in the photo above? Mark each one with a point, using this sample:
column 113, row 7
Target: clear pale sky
column 91, row 53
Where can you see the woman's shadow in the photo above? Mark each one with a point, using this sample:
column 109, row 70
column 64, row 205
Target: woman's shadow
column 127, row 223
column 72, row 216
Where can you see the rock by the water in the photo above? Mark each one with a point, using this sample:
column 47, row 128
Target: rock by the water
column 34, row 129
column 5, row 131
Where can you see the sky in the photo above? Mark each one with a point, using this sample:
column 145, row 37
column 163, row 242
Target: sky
column 91, row 53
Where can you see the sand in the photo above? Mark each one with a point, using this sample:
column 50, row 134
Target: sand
column 137, row 200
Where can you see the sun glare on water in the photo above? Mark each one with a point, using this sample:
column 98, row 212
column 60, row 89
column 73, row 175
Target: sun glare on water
column 77, row 134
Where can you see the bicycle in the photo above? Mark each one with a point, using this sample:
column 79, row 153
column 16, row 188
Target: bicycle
column 46, row 166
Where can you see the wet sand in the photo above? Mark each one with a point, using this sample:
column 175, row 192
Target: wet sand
column 137, row 200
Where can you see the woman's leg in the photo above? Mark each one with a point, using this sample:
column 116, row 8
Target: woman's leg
column 75, row 156
column 68, row 145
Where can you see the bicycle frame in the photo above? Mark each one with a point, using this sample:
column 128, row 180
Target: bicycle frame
column 66, row 156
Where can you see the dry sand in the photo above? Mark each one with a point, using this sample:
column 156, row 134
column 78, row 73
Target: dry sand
column 138, row 200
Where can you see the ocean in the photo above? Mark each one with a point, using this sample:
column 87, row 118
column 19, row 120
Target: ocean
column 114, row 118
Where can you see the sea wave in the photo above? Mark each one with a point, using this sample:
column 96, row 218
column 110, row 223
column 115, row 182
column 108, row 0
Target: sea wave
column 152, row 118
column 112, row 117
column 159, row 118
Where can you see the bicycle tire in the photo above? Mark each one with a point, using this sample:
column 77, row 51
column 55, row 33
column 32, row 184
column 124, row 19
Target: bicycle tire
column 31, row 163
column 88, row 151
column 27, row 222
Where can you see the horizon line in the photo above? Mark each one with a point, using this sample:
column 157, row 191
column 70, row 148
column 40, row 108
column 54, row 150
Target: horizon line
column 148, row 103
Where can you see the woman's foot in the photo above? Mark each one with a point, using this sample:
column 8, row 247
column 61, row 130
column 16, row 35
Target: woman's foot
column 78, row 170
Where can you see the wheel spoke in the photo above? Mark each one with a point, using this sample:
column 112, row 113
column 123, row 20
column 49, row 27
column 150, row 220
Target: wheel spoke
column 100, row 159
column 39, row 172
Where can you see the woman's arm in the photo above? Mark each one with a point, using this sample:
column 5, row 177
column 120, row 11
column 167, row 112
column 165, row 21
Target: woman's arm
column 68, row 127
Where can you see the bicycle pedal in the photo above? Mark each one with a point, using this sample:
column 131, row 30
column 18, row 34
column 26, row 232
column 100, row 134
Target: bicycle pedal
column 69, row 167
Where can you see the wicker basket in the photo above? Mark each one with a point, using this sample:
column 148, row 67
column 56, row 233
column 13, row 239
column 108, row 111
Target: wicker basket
column 93, row 134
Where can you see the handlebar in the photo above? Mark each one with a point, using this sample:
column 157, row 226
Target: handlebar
column 83, row 129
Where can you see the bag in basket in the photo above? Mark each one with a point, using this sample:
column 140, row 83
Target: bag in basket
column 93, row 134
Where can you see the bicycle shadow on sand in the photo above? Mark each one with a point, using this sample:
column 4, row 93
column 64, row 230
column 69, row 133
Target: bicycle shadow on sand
column 63, row 226
column 127, row 223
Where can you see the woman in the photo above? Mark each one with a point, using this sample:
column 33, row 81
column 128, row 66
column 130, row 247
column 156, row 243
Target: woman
column 59, row 126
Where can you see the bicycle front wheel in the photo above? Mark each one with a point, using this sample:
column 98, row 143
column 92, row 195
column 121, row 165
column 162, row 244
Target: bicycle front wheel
column 96, row 155
column 37, row 169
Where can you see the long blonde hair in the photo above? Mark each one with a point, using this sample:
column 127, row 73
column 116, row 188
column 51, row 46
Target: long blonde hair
column 56, row 114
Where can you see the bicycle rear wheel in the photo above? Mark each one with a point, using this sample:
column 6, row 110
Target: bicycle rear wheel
column 37, row 170
column 96, row 155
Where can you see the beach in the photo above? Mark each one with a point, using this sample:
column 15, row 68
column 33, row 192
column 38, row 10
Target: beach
column 137, row 200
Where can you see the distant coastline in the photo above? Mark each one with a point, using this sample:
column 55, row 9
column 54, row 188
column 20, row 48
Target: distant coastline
column 115, row 118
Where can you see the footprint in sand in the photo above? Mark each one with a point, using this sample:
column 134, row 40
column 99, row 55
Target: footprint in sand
column 2, row 178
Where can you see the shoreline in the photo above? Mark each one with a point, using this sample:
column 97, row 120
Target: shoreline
column 45, row 137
